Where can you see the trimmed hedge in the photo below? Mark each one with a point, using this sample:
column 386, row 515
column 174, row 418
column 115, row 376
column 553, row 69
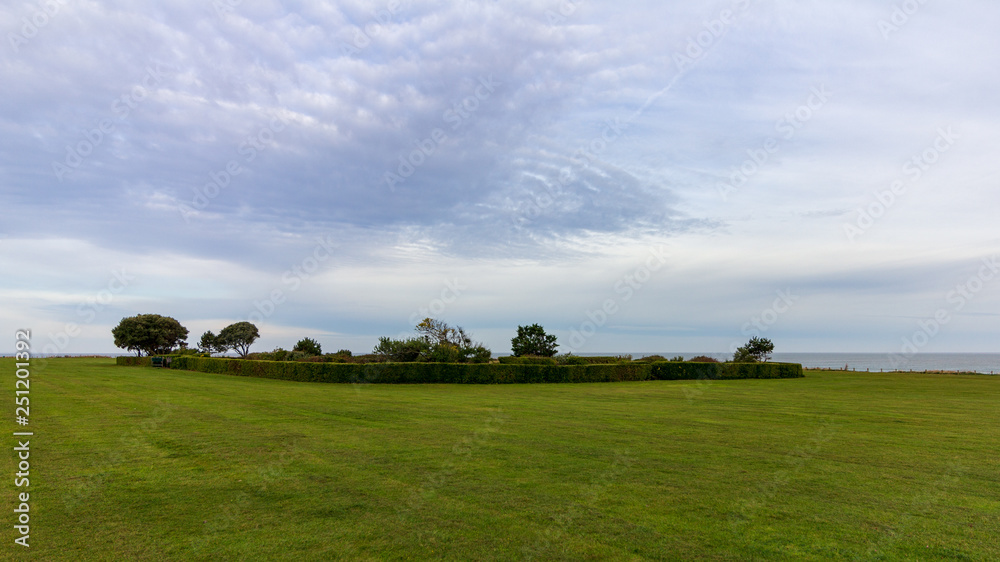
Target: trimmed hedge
column 133, row 361
column 527, row 360
column 477, row 373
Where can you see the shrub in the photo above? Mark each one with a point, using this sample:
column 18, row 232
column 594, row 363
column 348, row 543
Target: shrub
column 401, row 351
column 570, row 359
column 703, row 359
column 652, row 358
column 527, row 360
column 308, row 346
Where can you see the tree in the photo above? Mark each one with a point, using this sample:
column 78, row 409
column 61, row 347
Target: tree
column 308, row 346
column 532, row 340
column 239, row 336
column 757, row 350
column 437, row 332
column 149, row 333
column 210, row 343
column 401, row 351
column 438, row 342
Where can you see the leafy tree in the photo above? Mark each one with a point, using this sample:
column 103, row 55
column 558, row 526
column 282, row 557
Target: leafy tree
column 210, row 343
column 149, row 333
column 239, row 336
column 438, row 342
column 757, row 350
column 308, row 346
column 532, row 340
column 401, row 351
column 437, row 332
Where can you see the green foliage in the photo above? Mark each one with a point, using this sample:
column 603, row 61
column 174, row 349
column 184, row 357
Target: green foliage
column 278, row 354
column 528, row 360
column 308, row 346
column 570, row 359
column 703, row 359
column 652, row 358
column 402, row 351
column 607, row 359
column 515, row 370
column 709, row 371
column 757, row 350
column 239, row 337
column 151, row 334
column 438, row 343
column 532, row 340
column 210, row 343
column 677, row 359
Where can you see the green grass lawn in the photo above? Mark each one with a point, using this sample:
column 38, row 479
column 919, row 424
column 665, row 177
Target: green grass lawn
column 153, row 464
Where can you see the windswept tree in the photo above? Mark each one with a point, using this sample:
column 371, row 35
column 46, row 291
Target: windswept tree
column 532, row 340
column 151, row 334
column 757, row 350
column 239, row 337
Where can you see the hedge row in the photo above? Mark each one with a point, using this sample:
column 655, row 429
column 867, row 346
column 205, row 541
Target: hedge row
column 133, row 361
column 468, row 373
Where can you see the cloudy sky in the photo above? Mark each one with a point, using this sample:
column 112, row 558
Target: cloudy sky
column 648, row 176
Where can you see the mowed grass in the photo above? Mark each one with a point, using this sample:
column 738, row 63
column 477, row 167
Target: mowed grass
column 152, row 464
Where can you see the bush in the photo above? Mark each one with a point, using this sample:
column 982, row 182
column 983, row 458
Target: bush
column 570, row 359
column 703, row 359
column 598, row 360
column 308, row 346
column 402, row 351
column 652, row 358
column 527, row 360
